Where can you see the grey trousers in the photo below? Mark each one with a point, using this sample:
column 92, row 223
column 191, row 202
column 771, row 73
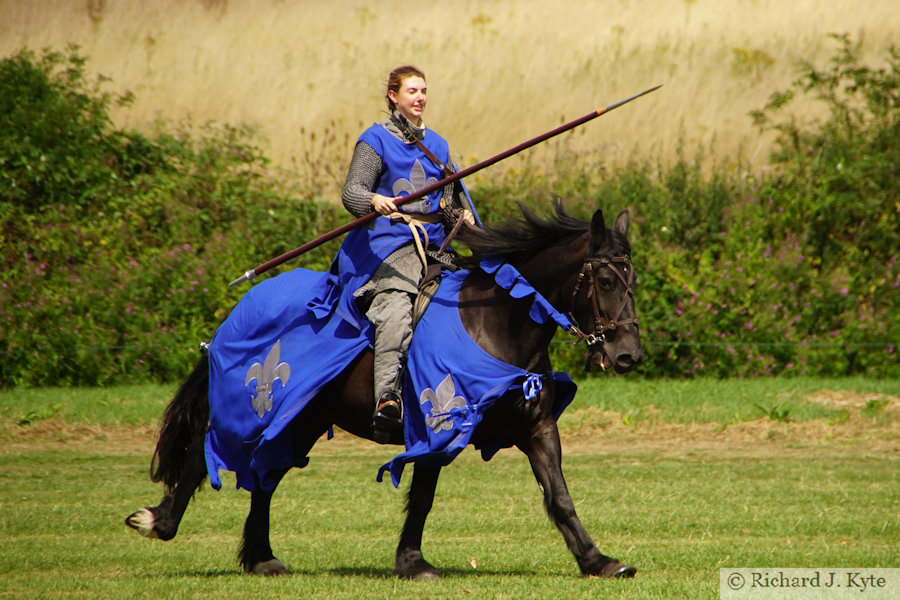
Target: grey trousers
column 387, row 301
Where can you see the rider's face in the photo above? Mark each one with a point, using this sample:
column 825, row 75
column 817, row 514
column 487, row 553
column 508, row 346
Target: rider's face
column 410, row 99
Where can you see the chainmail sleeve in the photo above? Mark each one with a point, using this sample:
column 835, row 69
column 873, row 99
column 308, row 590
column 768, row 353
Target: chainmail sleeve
column 452, row 204
column 362, row 178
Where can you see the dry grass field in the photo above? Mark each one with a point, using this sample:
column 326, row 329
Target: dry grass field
column 309, row 75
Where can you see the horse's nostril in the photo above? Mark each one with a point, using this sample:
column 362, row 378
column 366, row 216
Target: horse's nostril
column 627, row 361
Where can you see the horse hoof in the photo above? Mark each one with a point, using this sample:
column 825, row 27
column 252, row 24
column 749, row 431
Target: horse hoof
column 422, row 574
column 143, row 521
column 426, row 575
column 269, row 568
column 417, row 568
column 617, row 570
column 625, row 572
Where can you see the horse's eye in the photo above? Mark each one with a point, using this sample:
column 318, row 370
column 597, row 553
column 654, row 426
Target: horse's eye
column 605, row 284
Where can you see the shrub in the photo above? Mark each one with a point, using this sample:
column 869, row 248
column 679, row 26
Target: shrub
column 117, row 246
column 792, row 273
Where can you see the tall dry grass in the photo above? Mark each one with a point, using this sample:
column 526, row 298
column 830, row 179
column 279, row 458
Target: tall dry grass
column 310, row 74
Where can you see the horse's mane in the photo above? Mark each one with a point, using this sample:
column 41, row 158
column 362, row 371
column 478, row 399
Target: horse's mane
column 519, row 238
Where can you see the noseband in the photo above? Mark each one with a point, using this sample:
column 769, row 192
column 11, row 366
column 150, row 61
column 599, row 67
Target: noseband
column 621, row 266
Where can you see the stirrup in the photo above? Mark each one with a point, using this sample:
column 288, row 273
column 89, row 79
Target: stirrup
column 388, row 419
column 389, row 412
column 389, row 406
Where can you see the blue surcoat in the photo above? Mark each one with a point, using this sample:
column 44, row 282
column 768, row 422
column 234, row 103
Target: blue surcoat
column 405, row 169
column 274, row 353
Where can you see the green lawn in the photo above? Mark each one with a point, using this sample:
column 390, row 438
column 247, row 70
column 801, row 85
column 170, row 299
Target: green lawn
column 677, row 478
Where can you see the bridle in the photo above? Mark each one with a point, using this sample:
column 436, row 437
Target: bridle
column 621, row 266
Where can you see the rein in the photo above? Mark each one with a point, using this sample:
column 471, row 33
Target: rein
column 618, row 265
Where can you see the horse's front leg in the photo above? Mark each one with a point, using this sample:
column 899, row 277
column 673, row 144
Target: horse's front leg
column 256, row 551
column 545, row 454
column 256, row 555
column 409, row 562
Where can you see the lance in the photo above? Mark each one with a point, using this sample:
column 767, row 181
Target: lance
column 249, row 275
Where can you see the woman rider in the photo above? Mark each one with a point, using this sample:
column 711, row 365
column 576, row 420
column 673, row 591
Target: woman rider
column 381, row 262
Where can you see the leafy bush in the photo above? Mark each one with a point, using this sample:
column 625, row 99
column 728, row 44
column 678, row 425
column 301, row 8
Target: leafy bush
column 793, row 273
column 117, row 246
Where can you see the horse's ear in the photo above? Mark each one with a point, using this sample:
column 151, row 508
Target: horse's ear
column 598, row 229
column 623, row 221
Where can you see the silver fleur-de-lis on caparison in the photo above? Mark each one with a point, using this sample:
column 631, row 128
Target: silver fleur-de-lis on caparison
column 417, row 181
column 442, row 401
column 265, row 375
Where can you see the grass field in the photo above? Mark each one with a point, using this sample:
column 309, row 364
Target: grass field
column 679, row 478
column 310, row 75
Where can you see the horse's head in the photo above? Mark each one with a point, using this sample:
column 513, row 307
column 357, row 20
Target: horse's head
column 581, row 268
column 603, row 297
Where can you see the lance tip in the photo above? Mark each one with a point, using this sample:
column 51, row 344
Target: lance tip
column 249, row 275
column 627, row 100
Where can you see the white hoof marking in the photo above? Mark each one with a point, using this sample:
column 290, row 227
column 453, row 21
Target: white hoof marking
column 143, row 521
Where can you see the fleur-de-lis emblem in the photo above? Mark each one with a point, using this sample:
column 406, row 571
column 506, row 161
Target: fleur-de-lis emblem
column 417, row 181
column 442, row 401
column 265, row 375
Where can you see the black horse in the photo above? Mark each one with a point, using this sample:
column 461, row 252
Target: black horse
column 582, row 269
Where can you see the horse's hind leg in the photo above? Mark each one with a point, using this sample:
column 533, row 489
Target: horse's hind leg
column 161, row 522
column 256, row 552
column 409, row 562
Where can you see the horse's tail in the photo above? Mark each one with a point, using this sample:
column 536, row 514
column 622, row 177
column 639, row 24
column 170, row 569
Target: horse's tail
column 185, row 421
